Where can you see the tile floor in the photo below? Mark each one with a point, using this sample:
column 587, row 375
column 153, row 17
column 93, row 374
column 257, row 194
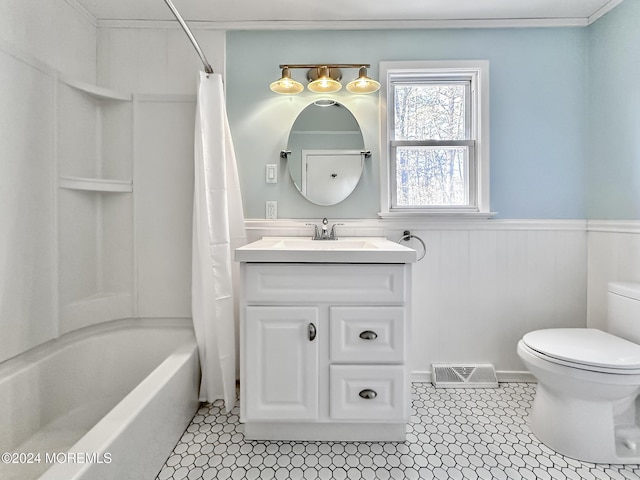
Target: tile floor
column 453, row 434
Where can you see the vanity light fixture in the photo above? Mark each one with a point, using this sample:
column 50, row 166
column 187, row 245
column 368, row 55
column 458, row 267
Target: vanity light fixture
column 363, row 84
column 286, row 84
column 325, row 78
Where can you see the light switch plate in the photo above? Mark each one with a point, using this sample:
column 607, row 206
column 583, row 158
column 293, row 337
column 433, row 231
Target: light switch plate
column 271, row 173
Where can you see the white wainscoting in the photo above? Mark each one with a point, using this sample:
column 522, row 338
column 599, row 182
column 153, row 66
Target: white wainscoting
column 614, row 255
column 481, row 285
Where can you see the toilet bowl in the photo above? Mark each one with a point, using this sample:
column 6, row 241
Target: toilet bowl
column 589, row 383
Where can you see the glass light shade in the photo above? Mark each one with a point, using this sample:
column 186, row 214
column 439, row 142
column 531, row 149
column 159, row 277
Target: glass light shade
column 324, row 85
column 363, row 84
column 286, row 85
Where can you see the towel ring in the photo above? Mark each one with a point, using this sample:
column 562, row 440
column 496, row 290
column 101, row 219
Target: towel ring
column 406, row 235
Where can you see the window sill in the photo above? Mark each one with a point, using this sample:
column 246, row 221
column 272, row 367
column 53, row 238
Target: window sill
column 442, row 215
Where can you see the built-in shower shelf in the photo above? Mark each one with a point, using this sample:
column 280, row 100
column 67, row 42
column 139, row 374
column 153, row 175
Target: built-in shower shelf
column 95, row 184
column 99, row 93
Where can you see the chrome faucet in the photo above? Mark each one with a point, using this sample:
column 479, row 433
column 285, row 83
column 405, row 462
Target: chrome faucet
column 325, row 228
column 324, row 233
column 316, row 231
column 333, row 235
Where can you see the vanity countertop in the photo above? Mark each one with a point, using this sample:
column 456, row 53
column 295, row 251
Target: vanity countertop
column 342, row 250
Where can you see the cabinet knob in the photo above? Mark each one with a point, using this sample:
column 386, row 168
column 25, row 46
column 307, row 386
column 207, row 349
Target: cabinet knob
column 368, row 335
column 312, row 332
column 368, row 394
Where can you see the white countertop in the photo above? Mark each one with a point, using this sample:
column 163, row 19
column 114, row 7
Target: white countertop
column 343, row 250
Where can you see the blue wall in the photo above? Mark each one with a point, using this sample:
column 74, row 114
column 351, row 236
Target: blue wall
column 614, row 114
column 538, row 112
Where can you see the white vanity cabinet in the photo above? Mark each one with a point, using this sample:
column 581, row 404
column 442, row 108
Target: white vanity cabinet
column 281, row 362
column 323, row 351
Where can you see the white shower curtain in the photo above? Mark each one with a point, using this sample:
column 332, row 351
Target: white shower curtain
column 218, row 228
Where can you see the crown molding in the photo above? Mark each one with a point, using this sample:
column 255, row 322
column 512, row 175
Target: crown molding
column 351, row 24
column 604, row 10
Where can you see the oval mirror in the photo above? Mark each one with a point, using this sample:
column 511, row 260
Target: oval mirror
column 325, row 152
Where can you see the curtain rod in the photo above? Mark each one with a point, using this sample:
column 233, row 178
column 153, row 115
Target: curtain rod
column 187, row 30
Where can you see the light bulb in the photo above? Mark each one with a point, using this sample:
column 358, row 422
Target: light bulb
column 324, row 83
column 286, row 85
column 363, row 84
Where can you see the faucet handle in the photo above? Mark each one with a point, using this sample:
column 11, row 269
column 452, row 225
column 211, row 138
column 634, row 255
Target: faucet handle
column 333, row 230
column 316, row 230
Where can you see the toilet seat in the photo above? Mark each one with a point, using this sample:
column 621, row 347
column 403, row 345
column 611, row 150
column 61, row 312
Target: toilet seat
column 586, row 349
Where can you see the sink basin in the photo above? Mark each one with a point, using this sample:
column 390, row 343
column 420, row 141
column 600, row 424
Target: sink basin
column 343, row 250
column 298, row 243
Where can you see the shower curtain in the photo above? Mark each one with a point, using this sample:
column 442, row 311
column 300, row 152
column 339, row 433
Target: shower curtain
column 218, row 228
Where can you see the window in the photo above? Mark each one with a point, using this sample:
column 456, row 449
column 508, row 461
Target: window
column 435, row 138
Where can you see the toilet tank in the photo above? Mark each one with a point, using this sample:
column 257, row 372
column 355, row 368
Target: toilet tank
column 623, row 310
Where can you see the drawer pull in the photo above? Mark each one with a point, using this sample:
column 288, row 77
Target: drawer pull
column 368, row 335
column 312, row 332
column 368, row 394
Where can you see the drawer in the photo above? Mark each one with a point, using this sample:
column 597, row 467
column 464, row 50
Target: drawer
column 367, row 334
column 336, row 283
column 371, row 392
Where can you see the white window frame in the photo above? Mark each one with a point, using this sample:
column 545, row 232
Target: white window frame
column 478, row 188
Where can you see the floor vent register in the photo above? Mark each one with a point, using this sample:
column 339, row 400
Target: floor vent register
column 449, row 375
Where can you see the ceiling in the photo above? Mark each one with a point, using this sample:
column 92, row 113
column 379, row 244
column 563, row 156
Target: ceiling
column 570, row 12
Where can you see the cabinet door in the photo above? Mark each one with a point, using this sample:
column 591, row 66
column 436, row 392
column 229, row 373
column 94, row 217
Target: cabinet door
column 281, row 363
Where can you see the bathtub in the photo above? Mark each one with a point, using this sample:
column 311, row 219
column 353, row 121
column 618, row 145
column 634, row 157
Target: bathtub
column 106, row 402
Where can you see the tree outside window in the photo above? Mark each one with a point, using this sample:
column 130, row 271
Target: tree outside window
column 433, row 135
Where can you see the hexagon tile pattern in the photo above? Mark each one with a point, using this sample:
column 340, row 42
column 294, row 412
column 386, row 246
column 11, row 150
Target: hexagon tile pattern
column 453, row 434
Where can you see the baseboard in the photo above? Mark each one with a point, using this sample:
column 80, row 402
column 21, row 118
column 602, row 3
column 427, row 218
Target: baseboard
column 323, row 431
column 420, row 377
column 505, row 376
column 515, row 376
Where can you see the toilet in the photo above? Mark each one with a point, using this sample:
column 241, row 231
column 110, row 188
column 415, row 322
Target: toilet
column 586, row 404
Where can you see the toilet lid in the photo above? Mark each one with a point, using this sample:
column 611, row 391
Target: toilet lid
column 585, row 346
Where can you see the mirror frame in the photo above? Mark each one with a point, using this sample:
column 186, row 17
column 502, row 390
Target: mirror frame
column 344, row 162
